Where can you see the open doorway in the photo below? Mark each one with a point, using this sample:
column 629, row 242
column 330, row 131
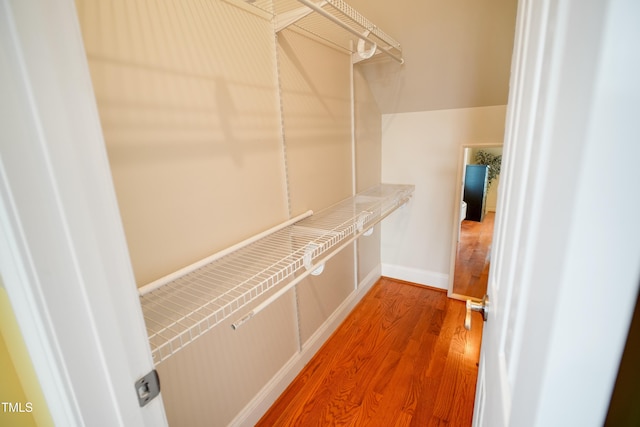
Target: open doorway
column 475, row 215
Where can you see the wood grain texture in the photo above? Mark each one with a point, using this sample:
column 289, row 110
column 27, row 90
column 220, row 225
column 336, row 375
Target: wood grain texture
column 473, row 257
column 401, row 358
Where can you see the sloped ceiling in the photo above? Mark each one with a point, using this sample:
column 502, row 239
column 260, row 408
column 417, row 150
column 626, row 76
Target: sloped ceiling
column 457, row 53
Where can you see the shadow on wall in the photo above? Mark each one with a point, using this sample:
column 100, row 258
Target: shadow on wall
column 189, row 105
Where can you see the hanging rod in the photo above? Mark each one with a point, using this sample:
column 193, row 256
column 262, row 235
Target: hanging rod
column 319, row 264
column 350, row 29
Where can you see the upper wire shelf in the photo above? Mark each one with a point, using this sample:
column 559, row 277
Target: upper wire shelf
column 348, row 29
column 181, row 307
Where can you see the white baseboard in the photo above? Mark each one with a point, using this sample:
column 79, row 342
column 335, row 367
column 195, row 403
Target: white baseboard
column 415, row 275
column 259, row 405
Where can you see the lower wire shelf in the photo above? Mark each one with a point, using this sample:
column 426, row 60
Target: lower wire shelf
column 180, row 308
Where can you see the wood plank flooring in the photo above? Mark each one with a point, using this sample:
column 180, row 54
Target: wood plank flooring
column 401, row 358
column 474, row 257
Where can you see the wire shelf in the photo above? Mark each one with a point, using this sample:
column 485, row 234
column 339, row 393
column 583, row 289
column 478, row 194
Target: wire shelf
column 347, row 22
column 184, row 308
column 331, row 21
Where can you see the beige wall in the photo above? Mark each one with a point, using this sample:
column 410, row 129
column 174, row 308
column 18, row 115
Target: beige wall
column 211, row 380
column 457, row 53
column 316, row 104
column 368, row 134
column 188, row 99
column 424, row 148
column 368, row 161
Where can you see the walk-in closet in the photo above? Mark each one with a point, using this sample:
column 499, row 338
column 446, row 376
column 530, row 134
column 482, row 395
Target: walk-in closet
column 240, row 213
column 231, row 178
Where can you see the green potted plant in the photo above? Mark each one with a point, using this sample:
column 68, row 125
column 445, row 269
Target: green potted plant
column 491, row 160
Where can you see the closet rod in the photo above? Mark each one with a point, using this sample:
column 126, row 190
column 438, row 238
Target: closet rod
column 143, row 290
column 338, row 22
column 264, row 304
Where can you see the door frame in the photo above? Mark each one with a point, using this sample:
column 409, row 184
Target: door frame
column 65, row 263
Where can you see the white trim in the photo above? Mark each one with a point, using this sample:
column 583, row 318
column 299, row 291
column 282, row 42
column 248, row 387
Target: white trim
column 33, row 322
column 263, row 400
column 590, row 95
column 562, row 298
column 416, row 275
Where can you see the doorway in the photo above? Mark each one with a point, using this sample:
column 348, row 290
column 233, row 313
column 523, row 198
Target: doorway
column 472, row 235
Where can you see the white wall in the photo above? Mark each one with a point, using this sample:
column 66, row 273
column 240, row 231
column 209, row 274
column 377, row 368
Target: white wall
column 423, row 148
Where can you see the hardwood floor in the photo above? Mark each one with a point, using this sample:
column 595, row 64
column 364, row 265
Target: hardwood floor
column 473, row 257
column 401, row 358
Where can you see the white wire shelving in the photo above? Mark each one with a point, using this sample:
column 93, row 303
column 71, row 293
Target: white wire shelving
column 338, row 23
column 182, row 306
